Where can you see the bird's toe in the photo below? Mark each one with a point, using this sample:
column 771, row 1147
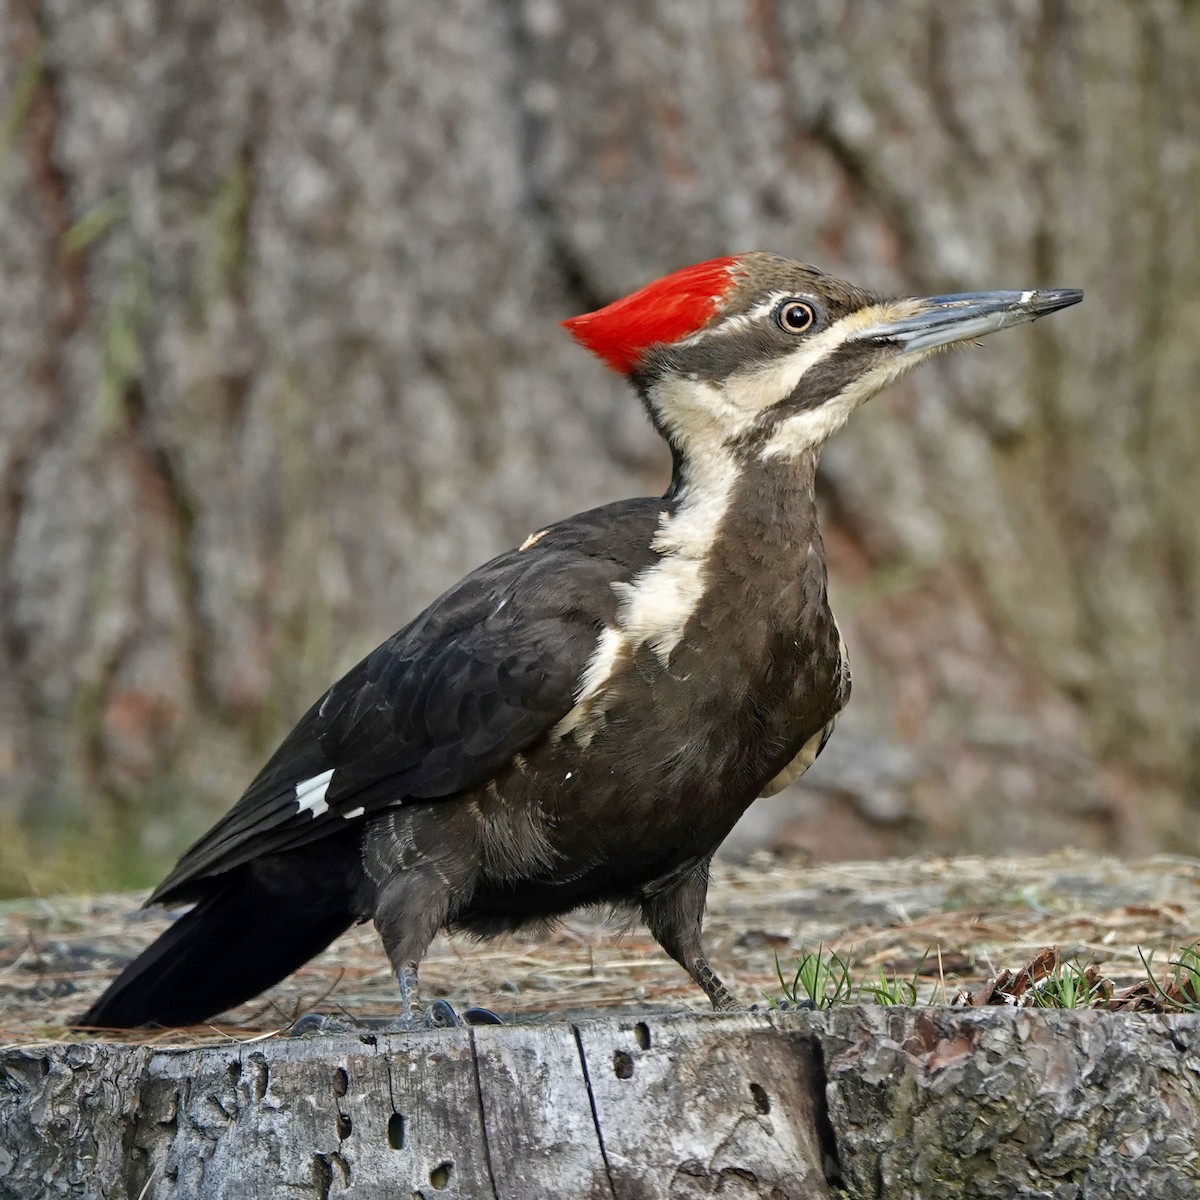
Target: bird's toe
column 318, row 1024
column 441, row 1014
column 482, row 1016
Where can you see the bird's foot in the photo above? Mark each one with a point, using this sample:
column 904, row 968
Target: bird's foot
column 441, row 1014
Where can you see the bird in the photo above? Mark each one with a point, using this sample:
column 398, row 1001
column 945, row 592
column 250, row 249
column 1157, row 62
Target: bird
column 581, row 720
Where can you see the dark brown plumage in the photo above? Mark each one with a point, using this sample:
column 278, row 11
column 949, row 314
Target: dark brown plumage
column 583, row 719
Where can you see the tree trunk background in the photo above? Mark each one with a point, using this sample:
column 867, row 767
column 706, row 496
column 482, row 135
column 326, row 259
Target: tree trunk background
column 279, row 361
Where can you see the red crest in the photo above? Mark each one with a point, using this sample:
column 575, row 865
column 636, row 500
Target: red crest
column 664, row 311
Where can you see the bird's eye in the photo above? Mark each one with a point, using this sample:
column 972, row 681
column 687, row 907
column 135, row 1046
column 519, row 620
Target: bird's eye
column 794, row 316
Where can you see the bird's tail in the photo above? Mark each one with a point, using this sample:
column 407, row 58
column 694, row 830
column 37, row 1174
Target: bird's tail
column 240, row 938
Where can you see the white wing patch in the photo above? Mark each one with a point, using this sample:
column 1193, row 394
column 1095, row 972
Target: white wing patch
column 310, row 795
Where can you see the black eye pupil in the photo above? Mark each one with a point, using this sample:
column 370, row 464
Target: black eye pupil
column 795, row 317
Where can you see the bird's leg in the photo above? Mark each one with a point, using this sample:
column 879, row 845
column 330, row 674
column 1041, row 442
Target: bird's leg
column 410, row 995
column 675, row 914
column 723, row 1000
column 411, row 905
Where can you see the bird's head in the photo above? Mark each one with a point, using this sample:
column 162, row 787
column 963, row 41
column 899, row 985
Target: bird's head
column 757, row 354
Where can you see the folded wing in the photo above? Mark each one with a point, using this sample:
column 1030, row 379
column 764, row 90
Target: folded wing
column 442, row 705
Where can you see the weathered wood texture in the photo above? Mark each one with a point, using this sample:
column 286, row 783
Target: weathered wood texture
column 902, row 1104
column 279, row 361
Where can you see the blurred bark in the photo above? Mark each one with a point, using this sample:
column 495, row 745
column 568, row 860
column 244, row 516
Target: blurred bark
column 279, row 360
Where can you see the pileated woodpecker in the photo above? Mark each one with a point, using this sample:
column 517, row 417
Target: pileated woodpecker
column 583, row 719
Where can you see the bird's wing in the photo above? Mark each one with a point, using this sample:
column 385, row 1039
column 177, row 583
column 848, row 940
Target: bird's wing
column 438, row 708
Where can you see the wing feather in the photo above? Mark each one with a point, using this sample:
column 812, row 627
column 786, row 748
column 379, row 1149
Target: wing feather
column 482, row 673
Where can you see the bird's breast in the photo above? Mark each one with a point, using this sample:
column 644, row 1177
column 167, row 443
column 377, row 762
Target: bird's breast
column 707, row 726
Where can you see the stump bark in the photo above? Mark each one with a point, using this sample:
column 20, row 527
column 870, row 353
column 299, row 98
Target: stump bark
column 854, row 1101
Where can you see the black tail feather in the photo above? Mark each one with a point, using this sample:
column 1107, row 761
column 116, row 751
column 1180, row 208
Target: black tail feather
column 242, row 937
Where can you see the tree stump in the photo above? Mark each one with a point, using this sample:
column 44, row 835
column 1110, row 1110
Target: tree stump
column 854, row 1101
column 613, row 1099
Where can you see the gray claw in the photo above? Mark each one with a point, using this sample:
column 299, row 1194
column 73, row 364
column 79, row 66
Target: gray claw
column 482, row 1016
column 441, row 1015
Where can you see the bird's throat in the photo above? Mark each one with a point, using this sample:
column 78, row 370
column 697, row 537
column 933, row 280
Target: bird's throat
column 741, row 533
column 765, row 553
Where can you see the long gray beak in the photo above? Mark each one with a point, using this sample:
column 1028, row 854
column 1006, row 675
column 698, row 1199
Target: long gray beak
column 939, row 320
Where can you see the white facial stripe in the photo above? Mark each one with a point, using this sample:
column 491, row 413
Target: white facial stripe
column 310, row 794
column 768, row 305
column 762, row 386
column 811, row 428
column 741, row 320
column 730, row 324
column 700, row 415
